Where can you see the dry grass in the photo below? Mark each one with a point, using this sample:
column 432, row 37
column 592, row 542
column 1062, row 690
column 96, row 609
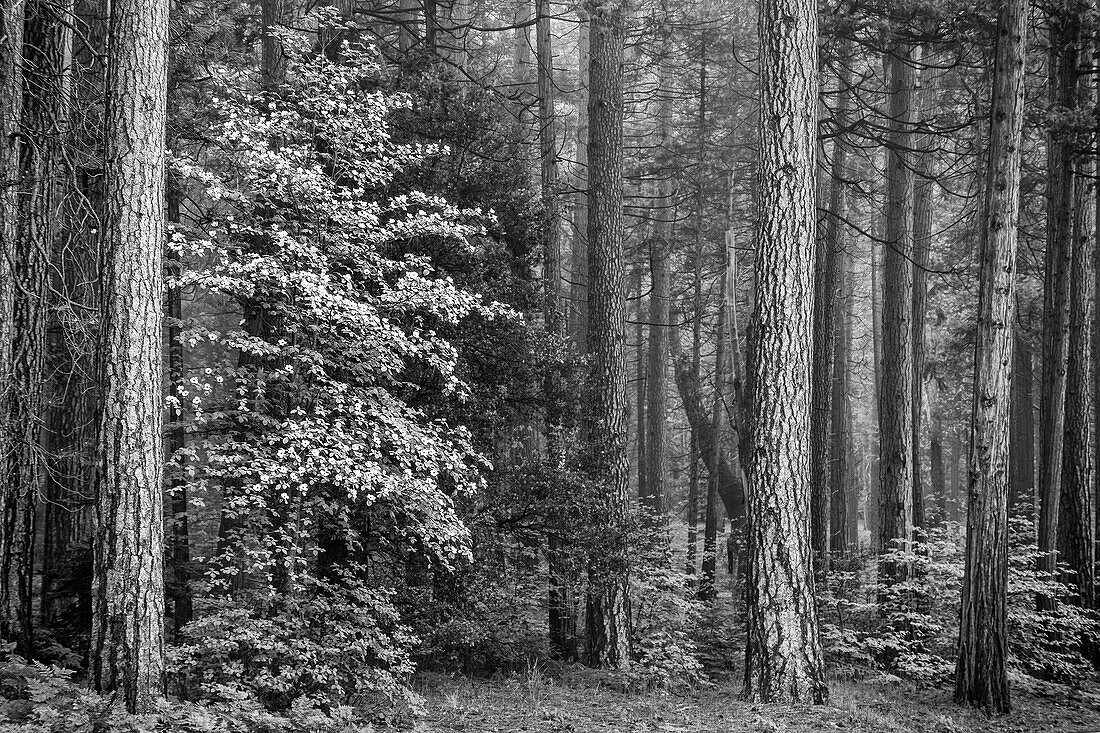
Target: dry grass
column 573, row 701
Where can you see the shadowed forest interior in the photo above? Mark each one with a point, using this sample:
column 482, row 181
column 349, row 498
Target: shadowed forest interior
column 617, row 365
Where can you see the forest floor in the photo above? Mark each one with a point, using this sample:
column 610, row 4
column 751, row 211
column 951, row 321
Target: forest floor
column 538, row 703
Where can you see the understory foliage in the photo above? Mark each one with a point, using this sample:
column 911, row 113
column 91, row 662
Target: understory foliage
column 910, row 629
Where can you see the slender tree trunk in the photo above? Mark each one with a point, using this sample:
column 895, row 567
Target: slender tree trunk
column 1076, row 547
column 783, row 661
column 660, row 246
column 1021, row 483
column 639, row 383
column 824, row 341
column 607, row 628
column 578, row 281
column 697, row 306
column 981, row 676
column 837, row 435
column 710, row 533
column 936, row 472
column 562, row 615
column 127, row 645
column 874, row 496
column 922, row 243
column 896, row 397
column 840, row 536
column 1064, row 31
column 180, row 545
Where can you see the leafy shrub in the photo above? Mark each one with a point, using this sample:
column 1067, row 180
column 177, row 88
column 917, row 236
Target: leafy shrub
column 328, row 646
column 666, row 615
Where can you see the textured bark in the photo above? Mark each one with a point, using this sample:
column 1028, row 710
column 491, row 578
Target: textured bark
column 11, row 104
column 896, row 396
column 1062, row 87
column 607, row 628
column 127, row 645
column 783, row 661
column 1021, row 469
column 980, row 674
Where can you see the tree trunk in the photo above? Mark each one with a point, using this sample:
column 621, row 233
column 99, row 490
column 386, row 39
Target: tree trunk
column 180, row 545
column 731, row 485
column 1075, row 523
column 1021, row 470
column 127, row 645
column 272, row 58
column 840, row 536
column 562, row 605
column 607, row 628
column 937, row 475
column 981, row 676
column 783, row 660
column 1064, row 31
column 659, row 303
column 873, row 507
column 896, row 397
column 578, row 270
column 824, row 346
column 710, row 533
column 922, row 243
column 11, row 102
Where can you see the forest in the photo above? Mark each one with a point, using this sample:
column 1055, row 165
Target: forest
column 549, row 365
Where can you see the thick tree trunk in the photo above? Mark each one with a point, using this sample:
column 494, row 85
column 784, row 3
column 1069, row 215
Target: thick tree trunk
column 783, row 661
column 11, row 102
column 896, row 397
column 981, row 676
column 127, row 644
column 607, row 628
